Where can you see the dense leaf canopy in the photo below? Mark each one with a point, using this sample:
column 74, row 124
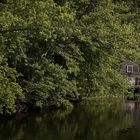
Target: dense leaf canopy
column 52, row 52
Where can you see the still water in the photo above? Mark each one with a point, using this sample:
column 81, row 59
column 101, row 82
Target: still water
column 102, row 119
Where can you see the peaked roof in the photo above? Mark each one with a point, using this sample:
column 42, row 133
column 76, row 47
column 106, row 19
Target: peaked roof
column 129, row 62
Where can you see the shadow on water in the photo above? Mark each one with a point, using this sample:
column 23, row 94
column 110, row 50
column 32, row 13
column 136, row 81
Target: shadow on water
column 90, row 120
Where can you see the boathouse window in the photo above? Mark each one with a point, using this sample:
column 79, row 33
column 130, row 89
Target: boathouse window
column 129, row 68
column 138, row 81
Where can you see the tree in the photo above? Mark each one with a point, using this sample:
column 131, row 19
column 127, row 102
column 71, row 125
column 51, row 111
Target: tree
column 55, row 51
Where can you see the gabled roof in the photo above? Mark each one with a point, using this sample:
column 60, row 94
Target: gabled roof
column 129, row 62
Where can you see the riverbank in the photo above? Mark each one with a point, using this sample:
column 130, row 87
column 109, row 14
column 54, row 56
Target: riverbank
column 23, row 107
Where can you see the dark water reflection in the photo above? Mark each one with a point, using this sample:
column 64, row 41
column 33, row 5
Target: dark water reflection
column 90, row 120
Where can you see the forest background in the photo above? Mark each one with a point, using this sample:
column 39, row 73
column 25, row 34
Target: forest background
column 52, row 52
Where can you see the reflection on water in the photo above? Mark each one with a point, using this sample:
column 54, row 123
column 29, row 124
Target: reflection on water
column 133, row 109
column 90, row 120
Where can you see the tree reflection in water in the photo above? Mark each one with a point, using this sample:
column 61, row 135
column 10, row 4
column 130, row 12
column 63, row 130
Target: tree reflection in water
column 103, row 119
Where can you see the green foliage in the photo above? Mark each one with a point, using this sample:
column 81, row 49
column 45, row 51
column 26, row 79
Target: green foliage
column 10, row 91
column 54, row 51
column 106, row 40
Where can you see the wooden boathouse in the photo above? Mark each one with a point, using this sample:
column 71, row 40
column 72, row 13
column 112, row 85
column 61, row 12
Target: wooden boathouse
column 132, row 71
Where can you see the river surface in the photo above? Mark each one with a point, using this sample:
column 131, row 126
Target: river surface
column 102, row 119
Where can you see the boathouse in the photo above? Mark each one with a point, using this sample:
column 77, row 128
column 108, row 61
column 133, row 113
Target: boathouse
column 132, row 71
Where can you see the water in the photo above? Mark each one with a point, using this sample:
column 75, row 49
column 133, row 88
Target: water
column 103, row 119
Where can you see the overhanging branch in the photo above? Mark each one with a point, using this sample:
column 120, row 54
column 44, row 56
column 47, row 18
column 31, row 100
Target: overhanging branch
column 15, row 30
